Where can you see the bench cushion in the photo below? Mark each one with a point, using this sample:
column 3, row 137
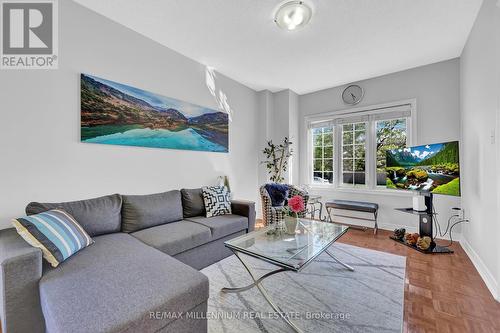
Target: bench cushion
column 176, row 237
column 223, row 225
column 352, row 205
column 113, row 285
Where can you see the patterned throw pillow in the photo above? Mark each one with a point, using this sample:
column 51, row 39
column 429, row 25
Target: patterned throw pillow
column 278, row 193
column 55, row 232
column 217, row 201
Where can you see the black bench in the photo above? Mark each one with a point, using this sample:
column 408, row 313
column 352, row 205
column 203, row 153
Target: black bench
column 358, row 206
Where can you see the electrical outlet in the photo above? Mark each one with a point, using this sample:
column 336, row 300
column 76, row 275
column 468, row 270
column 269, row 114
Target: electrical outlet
column 459, row 211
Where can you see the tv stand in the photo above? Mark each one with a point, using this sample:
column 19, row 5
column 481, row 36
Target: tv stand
column 426, row 225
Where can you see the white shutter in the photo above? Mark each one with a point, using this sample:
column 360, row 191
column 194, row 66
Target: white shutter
column 352, row 119
column 321, row 124
column 402, row 111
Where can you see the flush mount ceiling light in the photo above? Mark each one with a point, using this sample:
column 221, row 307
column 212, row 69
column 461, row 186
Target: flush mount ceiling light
column 293, row 15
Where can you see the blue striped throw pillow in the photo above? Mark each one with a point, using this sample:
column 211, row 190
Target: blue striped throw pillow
column 55, row 232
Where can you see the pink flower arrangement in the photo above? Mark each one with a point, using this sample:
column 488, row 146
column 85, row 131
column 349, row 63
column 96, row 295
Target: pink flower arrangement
column 296, row 204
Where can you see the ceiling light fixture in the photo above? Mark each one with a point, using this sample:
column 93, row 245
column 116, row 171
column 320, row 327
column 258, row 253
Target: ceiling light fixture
column 293, row 15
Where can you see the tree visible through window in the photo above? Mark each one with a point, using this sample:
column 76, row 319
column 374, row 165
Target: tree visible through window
column 353, row 153
column 349, row 148
column 323, row 155
column 391, row 134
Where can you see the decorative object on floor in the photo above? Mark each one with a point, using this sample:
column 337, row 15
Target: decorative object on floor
column 357, row 206
column 277, row 157
column 293, row 15
column 322, row 287
column 217, row 201
column 411, row 239
column 55, row 232
column 272, row 214
column 399, row 233
column 423, row 243
column 118, row 114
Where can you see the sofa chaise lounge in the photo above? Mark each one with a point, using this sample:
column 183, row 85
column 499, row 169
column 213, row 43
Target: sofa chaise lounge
column 140, row 275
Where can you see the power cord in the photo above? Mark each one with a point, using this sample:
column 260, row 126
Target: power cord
column 451, row 228
column 449, row 225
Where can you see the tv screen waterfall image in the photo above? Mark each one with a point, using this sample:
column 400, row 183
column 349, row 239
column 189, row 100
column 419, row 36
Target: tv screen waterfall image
column 117, row 114
column 430, row 168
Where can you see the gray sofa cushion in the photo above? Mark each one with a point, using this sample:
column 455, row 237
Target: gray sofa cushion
column 113, row 285
column 144, row 211
column 175, row 237
column 222, row 225
column 97, row 216
column 192, row 202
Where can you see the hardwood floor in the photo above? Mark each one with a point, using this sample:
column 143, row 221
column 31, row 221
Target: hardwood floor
column 443, row 293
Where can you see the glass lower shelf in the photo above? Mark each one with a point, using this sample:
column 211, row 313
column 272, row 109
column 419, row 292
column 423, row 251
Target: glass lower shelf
column 411, row 211
column 434, row 249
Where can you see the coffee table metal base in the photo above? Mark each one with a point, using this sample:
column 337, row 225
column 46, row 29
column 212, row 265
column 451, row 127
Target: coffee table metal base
column 257, row 283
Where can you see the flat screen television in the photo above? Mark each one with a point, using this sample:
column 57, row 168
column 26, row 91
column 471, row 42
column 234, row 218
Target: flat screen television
column 431, row 168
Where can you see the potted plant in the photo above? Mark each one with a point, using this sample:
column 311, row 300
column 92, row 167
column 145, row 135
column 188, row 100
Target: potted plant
column 277, row 157
column 295, row 206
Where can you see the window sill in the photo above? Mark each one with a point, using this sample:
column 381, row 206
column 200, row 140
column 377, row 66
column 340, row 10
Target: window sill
column 384, row 192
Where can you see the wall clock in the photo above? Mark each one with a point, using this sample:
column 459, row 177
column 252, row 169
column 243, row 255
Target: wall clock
column 353, row 94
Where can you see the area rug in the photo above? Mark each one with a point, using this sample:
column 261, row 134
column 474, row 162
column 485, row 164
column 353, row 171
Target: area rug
column 324, row 297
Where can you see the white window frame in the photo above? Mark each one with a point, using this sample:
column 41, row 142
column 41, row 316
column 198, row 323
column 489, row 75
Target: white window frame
column 369, row 113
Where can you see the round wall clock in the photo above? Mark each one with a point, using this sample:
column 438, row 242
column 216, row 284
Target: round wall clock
column 353, row 94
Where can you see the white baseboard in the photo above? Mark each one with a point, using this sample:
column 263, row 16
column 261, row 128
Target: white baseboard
column 486, row 275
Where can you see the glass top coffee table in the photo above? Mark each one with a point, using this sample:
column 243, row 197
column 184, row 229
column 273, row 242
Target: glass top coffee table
column 287, row 252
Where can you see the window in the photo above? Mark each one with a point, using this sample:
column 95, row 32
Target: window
column 353, row 153
column 323, row 155
column 349, row 149
column 391, row 134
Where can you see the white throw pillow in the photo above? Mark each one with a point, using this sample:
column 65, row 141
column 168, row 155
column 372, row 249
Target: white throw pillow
column 217, row 201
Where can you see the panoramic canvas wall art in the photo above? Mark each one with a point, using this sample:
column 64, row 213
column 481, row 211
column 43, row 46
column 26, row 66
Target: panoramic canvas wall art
column 431, row 168
column 117, row 114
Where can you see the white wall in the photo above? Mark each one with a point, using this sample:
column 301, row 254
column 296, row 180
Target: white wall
column 294, row 135
column 265, row 112
column 436, row 90
column 480, row 109
column 279, row 118
column 42, row 158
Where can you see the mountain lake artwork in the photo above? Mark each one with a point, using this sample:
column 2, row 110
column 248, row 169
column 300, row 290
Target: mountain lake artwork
column 116, row 114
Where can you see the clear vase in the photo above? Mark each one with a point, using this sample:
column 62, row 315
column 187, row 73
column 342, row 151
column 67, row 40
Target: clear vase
column 291, row 224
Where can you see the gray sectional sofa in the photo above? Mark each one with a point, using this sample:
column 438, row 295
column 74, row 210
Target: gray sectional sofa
column 141, row 272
